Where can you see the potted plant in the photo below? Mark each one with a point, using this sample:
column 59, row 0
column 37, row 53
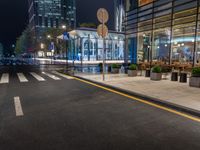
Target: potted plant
column 195, row 78
column 156, row 73
column 115, row 68
column 132, row 70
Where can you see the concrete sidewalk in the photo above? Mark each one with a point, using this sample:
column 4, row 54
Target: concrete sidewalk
column 179, row 94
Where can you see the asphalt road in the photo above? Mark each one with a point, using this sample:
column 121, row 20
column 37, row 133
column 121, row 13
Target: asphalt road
column 67, row 114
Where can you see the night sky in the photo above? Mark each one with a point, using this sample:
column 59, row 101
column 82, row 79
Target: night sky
column 14, row 17
column 86, row 10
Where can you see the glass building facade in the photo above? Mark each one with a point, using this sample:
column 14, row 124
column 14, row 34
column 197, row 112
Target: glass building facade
column 163, row 30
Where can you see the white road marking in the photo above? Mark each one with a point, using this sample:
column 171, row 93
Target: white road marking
column 18, row 107
column 36, row 76
column 4, row 78
column 51, row 76
column 62, row 75
column 21, row 77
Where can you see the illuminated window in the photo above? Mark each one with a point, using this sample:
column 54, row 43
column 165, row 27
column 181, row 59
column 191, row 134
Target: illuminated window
column 144, row 2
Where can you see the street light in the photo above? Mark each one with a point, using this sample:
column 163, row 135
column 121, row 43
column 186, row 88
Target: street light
column 65, row 28
column 52, row 51
column 49, row 36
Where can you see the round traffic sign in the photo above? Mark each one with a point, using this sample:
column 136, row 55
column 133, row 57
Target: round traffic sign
column 102, row 30
column 102, row 15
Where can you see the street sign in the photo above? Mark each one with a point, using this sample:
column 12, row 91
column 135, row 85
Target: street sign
column 66, row 36
column 102, row 30
column 102, row 15
column 51, row 46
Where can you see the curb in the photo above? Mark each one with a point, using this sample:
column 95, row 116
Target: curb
column 150, row 99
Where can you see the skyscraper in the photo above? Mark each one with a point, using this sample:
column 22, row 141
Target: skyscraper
column 51, row 13
column 119, row 15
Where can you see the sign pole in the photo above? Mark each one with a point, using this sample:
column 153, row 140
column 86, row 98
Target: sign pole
column 103, row 48
column 103, row 59
column 102, row 31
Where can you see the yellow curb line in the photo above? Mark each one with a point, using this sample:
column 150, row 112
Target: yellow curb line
column 142, row 101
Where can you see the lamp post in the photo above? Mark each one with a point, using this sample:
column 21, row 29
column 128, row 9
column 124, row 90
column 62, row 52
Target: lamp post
column 102, row 31
column 66, row 67
column 52, row 50
column 49, row 36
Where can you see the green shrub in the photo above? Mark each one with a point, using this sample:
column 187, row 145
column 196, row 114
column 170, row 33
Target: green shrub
column 196, row 71
column 165, row 69
column 132, row 67
column 156, row 69
column 115, row 66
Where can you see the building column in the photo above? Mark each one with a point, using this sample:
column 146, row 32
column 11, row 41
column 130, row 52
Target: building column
column 89, row 47
column 126, row 49
column 81, row 49
column 196, row 37
column 96, row 48
column 171, row 35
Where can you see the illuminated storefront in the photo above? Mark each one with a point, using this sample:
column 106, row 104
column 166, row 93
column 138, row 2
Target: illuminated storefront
column 86, row 45
column 163, row 30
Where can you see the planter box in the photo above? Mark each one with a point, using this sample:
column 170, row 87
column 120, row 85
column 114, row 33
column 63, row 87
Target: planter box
column 174, row 76
column 183, row 78
column 147, row 73
column 156, row 76
column 115, row 70
column 195, row 82
column 132, row 73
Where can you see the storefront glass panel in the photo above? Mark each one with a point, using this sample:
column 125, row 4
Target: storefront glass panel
column 183, row 43
column 197, row 61
column 144, row 46
column 161, row 45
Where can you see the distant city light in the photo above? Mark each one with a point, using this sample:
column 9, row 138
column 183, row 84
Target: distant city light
column 42, row 46
column 49, row 36
column 64, row 26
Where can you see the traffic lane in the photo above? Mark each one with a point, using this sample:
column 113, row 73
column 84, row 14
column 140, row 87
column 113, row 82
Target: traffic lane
column 18, row 68
column 74, row 115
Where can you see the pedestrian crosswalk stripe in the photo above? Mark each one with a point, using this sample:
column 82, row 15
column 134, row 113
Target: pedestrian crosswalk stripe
column 4, row 78
column 18, row 107
column 36, row 76
column 62, row 75
column 21, row 77
column 51, row 76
